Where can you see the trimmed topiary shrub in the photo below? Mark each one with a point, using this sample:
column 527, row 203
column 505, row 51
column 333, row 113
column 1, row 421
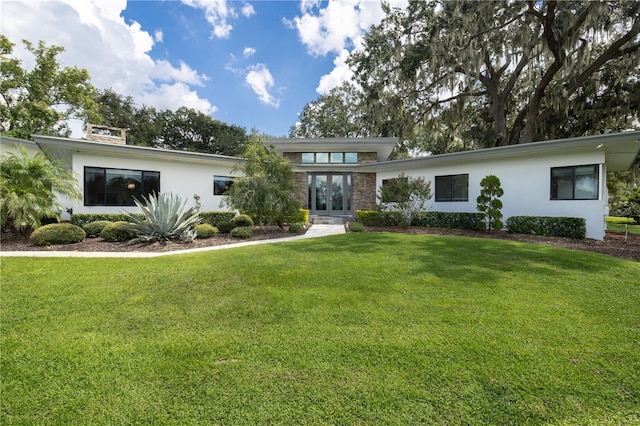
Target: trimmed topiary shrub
column 214, row 218
column 296, row 228
column 242, row 220
column 356, row 227
column 93, row 229
column 204, row 230
column 243, row 232
column 118, row 231
column 548, row 226
column 57, row 233
column 225, row 227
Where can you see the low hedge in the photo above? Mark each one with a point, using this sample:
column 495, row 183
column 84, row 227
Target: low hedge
column 118, row 231
column 204, row 230
column 454, row 220
column 472, row 221
column 242, row 232
column 213, row 218
column 81, row 219
column 242, row 220
column 57, row 233
column 548, row 226
column 93, row 229
column 296, row 228
column 620, row 220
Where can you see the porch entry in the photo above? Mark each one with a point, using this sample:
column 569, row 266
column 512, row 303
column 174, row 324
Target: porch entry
column 330, row 194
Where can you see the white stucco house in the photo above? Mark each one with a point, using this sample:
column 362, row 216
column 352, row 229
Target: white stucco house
column 337, row 177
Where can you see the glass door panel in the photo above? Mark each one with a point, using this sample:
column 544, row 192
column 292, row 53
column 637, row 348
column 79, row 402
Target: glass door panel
column 321, row 192
column 337, row 193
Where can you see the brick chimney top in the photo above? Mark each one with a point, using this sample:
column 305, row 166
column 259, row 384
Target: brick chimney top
column 100, row 133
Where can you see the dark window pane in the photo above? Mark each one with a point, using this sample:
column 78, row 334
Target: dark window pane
column 443, row 188
column 151, row 183
column 94, row 186
column 221, row 184
column 118, row 187
column 574, row 183
column 460, row 188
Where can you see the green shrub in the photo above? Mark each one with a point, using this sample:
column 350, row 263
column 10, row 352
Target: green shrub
column 242, row 220
column 118, row 231
column 243, row 232
column 621, row 220
column 301, row 216
column 93, row 229
column 204, row 230
column 378, row 218
column 451, row 220
column 225, row 227
column 356, row 227
column 567, row 227
column 213, row 218
column 81, row 219
column 57, row 233
column 296, row 228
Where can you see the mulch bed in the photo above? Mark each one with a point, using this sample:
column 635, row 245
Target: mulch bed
column 614, row 243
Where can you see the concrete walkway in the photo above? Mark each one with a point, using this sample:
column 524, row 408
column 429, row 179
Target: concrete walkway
column 314, row 232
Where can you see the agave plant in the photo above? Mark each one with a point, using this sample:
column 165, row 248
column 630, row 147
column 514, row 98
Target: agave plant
column 166, row 217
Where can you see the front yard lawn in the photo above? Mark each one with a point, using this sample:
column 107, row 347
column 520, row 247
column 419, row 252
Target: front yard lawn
column 370, row 328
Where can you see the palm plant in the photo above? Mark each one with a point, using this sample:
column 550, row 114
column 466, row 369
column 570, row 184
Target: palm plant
column 29, row 189
column 165, row 216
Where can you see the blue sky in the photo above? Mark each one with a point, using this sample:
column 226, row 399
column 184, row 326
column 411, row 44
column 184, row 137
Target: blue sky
column 249, row 63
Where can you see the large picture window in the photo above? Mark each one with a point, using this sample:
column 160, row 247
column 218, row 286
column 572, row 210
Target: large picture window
column 221, row 184
column 118, row 187
column 574, row 183
column 452, row 188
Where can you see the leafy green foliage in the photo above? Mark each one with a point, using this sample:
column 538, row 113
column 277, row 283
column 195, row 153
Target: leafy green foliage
column 166, row 217
column 356, row 227
column 300, row 216
column 454, row 220
column 567, row 227
column 489, row 204
column 225, row 226
column 629, row 204
column 28, row 187
column 215, row 217
column 406, row 195
column 57, row 233
column 204, row 230
column 266, row 190
column 296, row 228
column 242, row 220
column 118, row 231
column 40, row 100
column 463, row 74
column 184, row 129
column 242, row 232
column 93, row 229
column 82, row 219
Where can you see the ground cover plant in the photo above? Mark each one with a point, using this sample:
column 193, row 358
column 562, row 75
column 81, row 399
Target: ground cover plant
column 362, row 328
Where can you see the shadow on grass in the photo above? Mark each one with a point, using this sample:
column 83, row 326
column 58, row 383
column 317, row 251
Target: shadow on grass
column 467, row 258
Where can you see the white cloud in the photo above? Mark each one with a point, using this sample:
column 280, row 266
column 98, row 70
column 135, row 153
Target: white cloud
column 116, row 53
column 158, row 36
column 338, row 28
column 248, row 10
column 337, row 76
column 164, row 71
column 261, row 81
column 248, row 51
column 342, row 23
column 220, row 14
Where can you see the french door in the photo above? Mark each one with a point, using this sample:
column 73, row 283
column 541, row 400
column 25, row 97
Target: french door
column 330, row 193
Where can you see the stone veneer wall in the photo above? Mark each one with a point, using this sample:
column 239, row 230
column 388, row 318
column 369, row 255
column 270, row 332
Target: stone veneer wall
column 100, row 133
column 364, row 191
column 300, row 180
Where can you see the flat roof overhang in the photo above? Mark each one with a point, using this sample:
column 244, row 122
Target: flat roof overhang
column 63, row 149
column 621, row 151
column 381, row 146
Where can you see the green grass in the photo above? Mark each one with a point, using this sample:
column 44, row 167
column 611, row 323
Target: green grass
column 618, row 224
column 366, row 328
